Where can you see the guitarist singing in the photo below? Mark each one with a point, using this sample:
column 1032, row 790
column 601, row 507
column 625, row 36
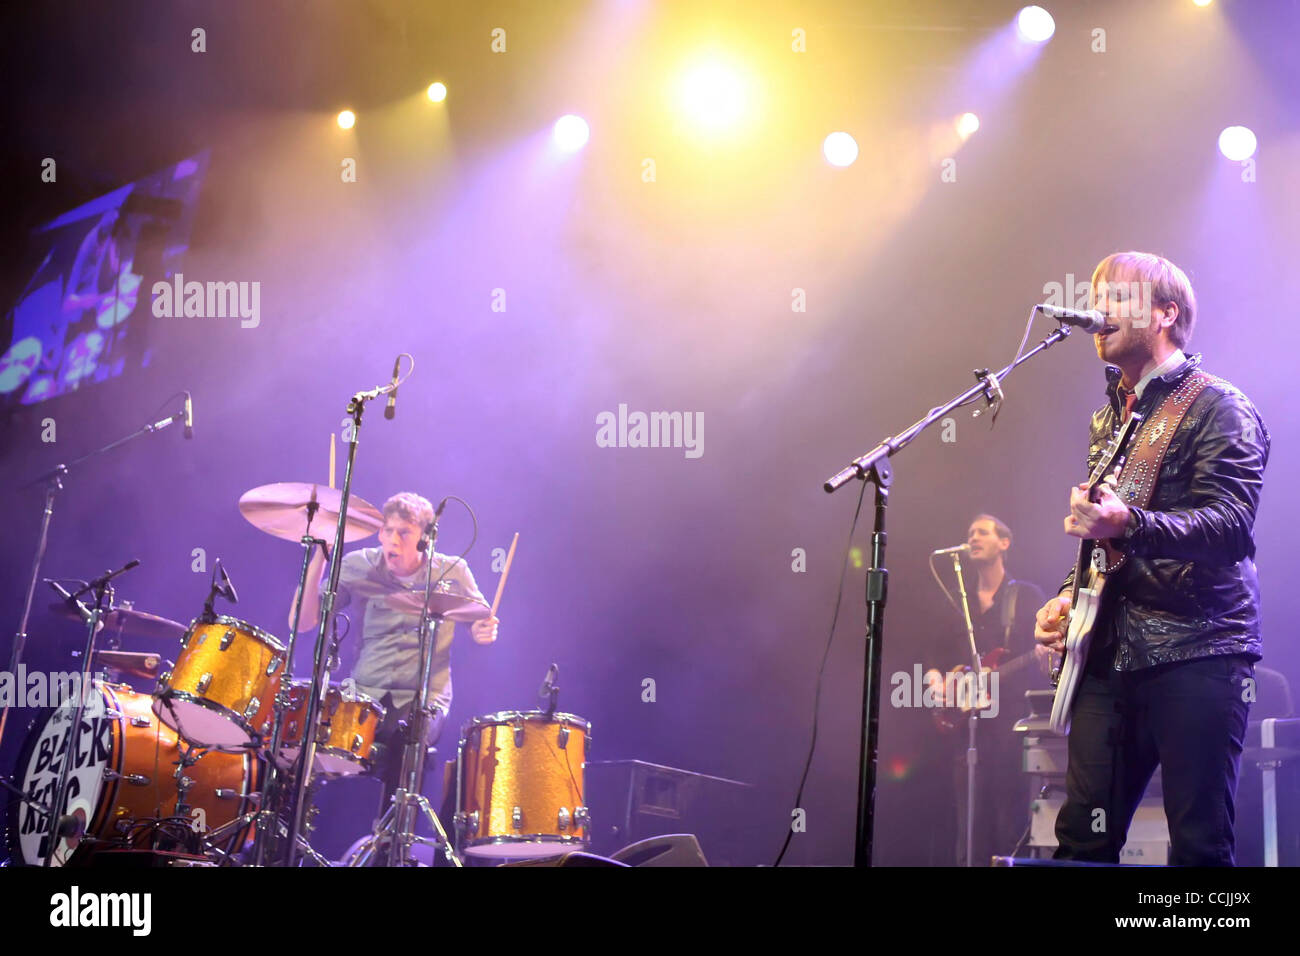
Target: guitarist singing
column 1170, row 669
column 1002, row 615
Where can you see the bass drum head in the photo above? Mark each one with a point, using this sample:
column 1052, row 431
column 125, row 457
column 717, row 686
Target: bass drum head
column 37, row 773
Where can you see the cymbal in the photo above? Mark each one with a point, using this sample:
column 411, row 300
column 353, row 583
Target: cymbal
column 281, row 510
column 445, row 602
column 134, row 663
column 129, row 621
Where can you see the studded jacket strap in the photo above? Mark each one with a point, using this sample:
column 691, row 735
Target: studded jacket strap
column 1146, row 453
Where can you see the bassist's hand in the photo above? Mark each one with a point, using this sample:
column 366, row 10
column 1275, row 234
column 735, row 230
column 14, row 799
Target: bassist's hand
column 1049, row 626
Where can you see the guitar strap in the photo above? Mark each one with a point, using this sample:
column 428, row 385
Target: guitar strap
column 1141, row 472
column 1009, row 612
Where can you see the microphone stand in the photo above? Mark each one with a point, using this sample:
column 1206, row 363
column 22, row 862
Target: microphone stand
column 874, row 466
column 972, row 695
column 321, row 659
column 53, row 480
column 92, row 617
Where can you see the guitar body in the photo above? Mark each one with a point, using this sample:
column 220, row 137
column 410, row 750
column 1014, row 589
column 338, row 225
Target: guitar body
column 1078, row 640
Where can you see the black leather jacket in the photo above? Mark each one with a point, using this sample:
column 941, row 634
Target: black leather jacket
column 1189, row 588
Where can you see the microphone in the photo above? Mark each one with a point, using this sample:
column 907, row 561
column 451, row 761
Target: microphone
column 390, row 409
column 548, row 685
column 1090, row 321
column 72, row 826
column 432, row 526
column 958, row 549
column 227, row 588
column 189, row 416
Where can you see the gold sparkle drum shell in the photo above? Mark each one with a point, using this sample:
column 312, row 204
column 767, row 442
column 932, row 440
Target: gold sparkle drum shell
column 221, row 693
column 519, row 782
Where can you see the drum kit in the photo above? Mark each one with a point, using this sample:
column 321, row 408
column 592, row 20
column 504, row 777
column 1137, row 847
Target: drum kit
column 218, row 763
column 189, row 767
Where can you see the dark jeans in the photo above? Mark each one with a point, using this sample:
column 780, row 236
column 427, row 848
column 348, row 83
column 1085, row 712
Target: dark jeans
column 387, row 764
column 1190, row 719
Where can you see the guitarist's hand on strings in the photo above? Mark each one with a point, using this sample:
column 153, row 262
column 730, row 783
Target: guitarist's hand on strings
column 1107, row 517
column 1049, row 626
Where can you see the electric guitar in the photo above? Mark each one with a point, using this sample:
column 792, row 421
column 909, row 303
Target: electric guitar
column 994, row 660
column 1089, row 581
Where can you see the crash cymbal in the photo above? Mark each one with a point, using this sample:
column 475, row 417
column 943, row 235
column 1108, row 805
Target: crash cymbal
column 446, row 602
column 281, row 510
column 129, row 622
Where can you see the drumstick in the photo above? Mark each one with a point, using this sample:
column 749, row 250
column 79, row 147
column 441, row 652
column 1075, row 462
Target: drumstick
column 501, row 585
column 331, row 459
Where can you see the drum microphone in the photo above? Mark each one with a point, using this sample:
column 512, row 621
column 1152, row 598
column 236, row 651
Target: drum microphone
column 427, row 536
column 189, row 416
column 72, row 826
column 390, row 409
column 227, row 588
column 957, row 549
column 1090, row 321
column 548, row 685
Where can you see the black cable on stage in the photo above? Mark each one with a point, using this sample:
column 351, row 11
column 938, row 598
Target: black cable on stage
column 821, row 671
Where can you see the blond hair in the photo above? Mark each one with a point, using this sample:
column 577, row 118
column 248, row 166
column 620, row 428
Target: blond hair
column 1167, row 282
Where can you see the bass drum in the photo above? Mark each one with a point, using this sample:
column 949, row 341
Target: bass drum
column 123, row 779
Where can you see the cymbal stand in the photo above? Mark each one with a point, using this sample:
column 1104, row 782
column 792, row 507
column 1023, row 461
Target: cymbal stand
column 272, row 790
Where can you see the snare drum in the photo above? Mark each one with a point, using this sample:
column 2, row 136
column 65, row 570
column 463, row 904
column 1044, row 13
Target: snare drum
column 124, row 774
column 519, row 785
column 346, row 735
column 222, row 690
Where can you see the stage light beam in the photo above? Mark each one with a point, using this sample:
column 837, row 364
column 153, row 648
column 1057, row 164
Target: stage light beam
column 1238, row 143
column 967, row 125
column 840, row 149
column 1035, row 25
column 347, row 119
column 570, row 132
column 437, row 92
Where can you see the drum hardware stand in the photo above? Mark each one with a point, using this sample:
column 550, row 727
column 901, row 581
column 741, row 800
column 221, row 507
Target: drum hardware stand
column 399, row 821
column 874, row 466
column 320, row 657
column 273, row 785
column 214, row 837
column 102, row 589
column 53, row 481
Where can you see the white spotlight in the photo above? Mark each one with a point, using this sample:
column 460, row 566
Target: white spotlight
column 1237, row 143
column 840, row 149
column 1035, row 25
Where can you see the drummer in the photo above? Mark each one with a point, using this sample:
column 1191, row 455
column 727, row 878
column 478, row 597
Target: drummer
column 389, row 662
